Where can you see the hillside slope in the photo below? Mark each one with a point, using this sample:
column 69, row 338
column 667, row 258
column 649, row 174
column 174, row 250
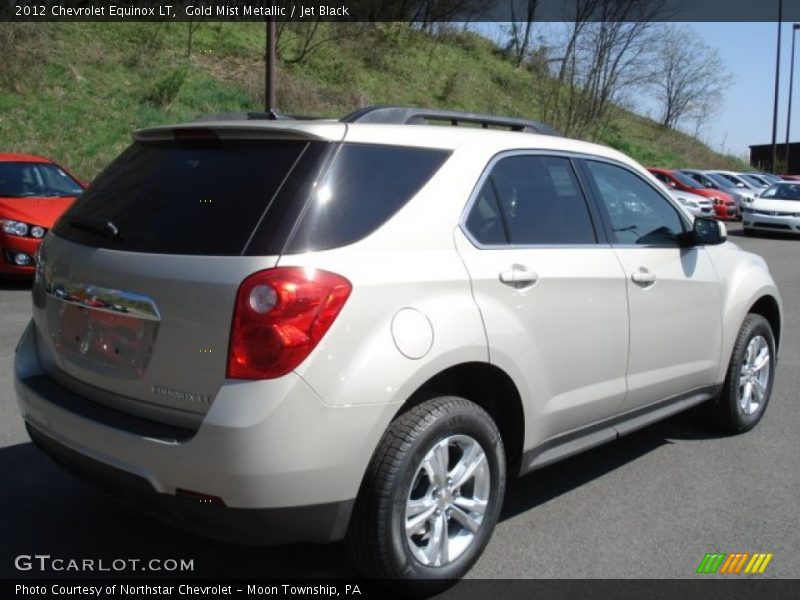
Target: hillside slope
column 74, row 91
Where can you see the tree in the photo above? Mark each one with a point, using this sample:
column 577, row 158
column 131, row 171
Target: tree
column 604, row 55
column 689, row 77
column 520, row 41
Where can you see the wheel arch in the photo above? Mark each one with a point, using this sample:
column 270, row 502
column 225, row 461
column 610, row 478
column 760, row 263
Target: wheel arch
column 767, row 306
column 489, row 387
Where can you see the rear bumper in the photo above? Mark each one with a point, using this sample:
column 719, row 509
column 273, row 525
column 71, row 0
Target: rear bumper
column 286, row 466
column 314, row 523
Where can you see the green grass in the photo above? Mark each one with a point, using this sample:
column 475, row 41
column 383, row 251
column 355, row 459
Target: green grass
column 79, row 89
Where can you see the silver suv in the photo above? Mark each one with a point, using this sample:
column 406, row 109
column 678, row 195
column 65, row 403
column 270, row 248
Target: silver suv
column 278, row 330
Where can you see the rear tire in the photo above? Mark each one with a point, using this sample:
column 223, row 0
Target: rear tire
column 748, row 383
column 430, row 498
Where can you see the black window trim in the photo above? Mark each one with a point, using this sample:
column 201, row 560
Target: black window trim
column 597, row 200
column 598, row 226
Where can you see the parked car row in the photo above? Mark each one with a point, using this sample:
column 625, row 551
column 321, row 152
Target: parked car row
column 34, row 191
column 762, row 201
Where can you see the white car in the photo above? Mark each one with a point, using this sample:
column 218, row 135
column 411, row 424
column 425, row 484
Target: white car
column 694, row 204
column 278, row 331
column 777, row 209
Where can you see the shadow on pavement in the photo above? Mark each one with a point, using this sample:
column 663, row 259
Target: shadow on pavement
column 15, row 284
column 47, row 511
column 552, row 481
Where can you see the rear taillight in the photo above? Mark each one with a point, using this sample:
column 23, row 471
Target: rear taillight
column 280, row 316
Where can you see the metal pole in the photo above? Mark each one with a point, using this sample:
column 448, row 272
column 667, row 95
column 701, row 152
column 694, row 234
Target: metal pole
column 777, row 87
column 269, row 92
column 795, row 27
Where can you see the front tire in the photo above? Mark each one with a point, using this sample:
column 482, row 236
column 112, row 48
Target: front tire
column 748, row 384
column 431, row 496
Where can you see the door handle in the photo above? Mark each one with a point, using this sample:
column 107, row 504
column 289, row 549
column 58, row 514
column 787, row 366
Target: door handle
column 519, row 277
column 643, row 278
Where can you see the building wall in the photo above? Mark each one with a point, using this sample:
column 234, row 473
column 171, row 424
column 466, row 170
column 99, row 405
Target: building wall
column 761, row 158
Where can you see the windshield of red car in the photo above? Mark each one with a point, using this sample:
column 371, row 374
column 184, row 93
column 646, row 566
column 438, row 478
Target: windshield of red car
column 36, row 180
column 685, row 179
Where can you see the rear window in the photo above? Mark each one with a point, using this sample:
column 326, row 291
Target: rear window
column 201, row 197
column 364, row 186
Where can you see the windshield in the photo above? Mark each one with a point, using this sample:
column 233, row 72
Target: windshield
column 684, row 179
column 740, row 181
column 754, row 180
column 719, row 180
column 29, row 179
column 783, row 191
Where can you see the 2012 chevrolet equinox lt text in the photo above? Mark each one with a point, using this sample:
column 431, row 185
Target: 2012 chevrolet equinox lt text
column 281, row 330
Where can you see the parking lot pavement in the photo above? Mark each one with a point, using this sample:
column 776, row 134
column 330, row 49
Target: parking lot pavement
column 649, row 505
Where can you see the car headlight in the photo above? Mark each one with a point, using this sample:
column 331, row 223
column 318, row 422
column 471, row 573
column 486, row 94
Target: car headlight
column 20, row 229
column 17, row 228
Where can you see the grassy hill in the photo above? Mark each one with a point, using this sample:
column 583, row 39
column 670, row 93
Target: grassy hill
column 74, row 91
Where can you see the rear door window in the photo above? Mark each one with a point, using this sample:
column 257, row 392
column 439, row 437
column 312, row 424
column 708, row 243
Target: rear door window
column 531, row 200
column 201, row 197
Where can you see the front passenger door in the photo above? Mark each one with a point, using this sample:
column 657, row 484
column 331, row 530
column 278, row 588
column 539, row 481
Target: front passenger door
column 673, row 292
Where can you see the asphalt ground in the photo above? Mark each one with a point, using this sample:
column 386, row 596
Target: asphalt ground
column 647, row 506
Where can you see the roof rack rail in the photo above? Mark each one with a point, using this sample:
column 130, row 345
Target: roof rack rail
column 409, row 115
column 271, row 115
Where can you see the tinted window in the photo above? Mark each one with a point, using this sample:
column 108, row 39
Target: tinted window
column 687, row 180
column 718, row 181
column 485, row 221
column 41, row 180
column 364, row 186
column 540, row 202
column 184, row 197
column 660, row 176
column 638, row 213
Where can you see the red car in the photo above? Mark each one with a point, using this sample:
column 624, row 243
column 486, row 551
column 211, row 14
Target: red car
column 34, row 191
column 725, row 207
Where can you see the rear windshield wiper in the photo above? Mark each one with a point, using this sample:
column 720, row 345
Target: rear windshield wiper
column 96, row 225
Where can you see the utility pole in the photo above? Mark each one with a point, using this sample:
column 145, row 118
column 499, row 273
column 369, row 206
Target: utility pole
column 269, row 75
column 777, row 87
column 795, row 27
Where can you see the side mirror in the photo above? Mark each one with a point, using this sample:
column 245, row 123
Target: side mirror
column 708, row 232
column 740, row 185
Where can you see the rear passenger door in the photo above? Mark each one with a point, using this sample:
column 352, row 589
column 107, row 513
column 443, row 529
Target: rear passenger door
column 550, row 290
